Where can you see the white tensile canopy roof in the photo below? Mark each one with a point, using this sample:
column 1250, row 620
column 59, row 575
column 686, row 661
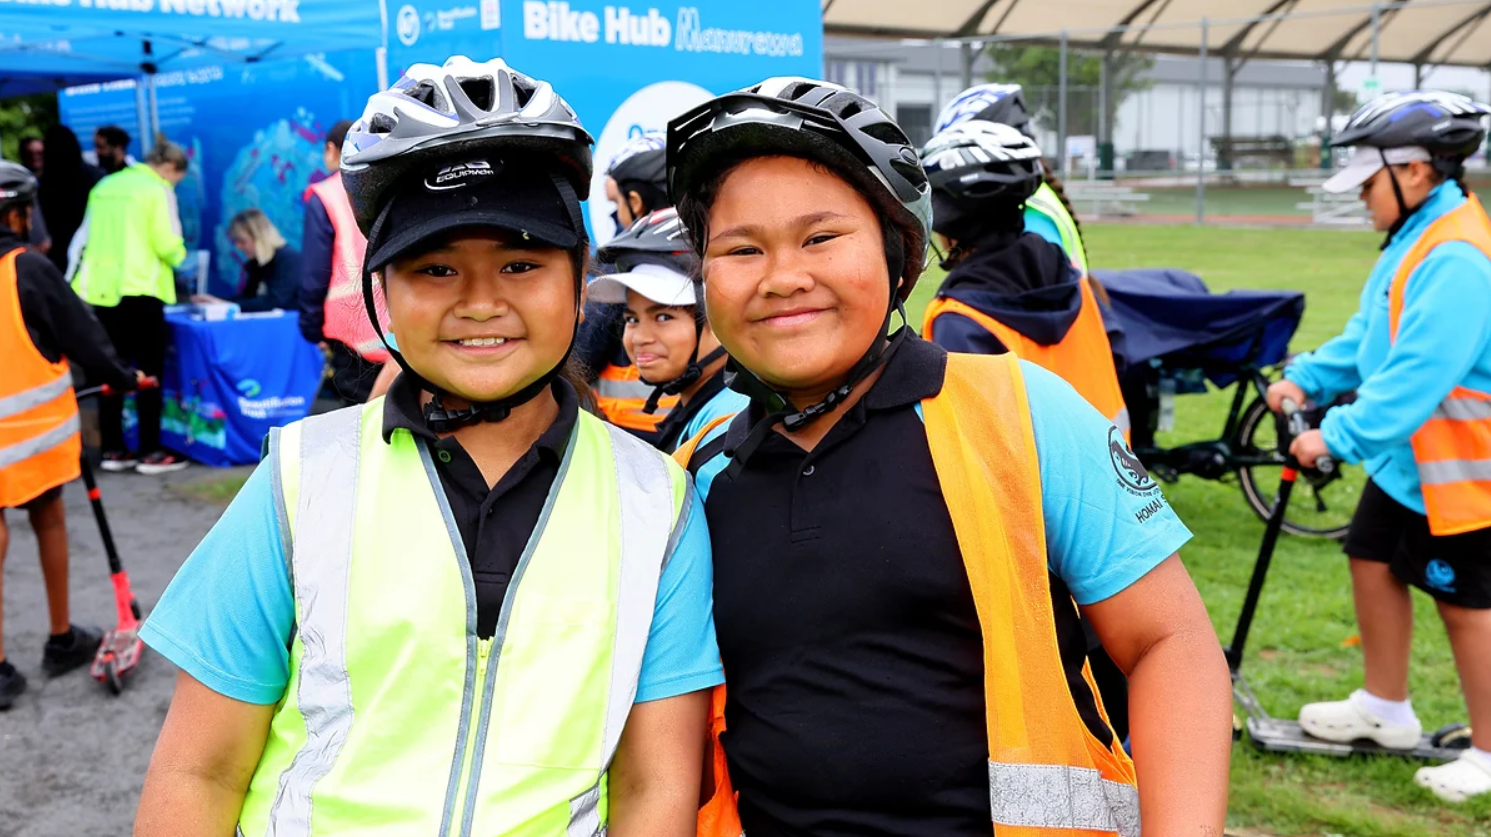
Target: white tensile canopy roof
column 1415, row 32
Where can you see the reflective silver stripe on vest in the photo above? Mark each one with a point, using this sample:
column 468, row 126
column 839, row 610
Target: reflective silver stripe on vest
column 607, row 388
column 1455, row 470
column 329, row 459
column 27, row 448
column 1060, row 796
column 12, row 405
column 585, row 815
column 1463, row 409
column 1121, row 420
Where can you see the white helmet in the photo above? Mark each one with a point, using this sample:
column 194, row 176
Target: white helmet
column 975, row 161
column 438, row 112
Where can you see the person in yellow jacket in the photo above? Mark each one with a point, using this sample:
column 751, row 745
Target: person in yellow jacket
column 43, row 326
column 132, row 240
column 899, row 533
column 469, row 607
column 1418, row 355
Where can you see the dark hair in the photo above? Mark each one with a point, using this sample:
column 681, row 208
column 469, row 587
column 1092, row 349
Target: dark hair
column 114, row 136
column 903, row 244
column 652, row 197
column 338, row 133
column 1054, row 181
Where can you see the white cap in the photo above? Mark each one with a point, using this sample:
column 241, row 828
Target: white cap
column 1367, row 161
column 660, row 284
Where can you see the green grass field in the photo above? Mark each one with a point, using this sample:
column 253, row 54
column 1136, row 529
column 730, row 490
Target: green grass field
column 1298, row 651
column 1233, row 201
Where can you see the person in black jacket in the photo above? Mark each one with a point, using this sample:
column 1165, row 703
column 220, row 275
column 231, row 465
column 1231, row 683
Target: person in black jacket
column 60, row 327
column 271, row 268
column 66, row 181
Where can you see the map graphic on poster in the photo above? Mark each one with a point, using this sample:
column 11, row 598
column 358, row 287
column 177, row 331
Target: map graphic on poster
column 268, row 173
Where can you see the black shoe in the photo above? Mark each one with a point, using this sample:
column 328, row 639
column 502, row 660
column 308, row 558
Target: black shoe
column 11, row 686
column 61, row 658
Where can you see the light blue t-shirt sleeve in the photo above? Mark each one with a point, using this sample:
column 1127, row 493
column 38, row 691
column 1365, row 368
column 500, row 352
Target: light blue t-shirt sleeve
column 725, row 403
column 1037, row 222
column 227, row 616
column 682, row 653
column 1107, row 524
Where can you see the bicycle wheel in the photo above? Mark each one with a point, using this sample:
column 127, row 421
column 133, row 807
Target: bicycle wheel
column 1321, row 506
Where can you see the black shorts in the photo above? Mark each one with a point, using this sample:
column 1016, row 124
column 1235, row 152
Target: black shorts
column 41, row 499
column 1454, row 569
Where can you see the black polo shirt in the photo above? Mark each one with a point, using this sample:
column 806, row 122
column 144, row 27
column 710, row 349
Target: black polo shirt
column 848, row 630
column 495, row 523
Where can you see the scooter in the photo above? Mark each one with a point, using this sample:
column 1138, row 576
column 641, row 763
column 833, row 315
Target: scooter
column 121, row 649
column 1283, row 736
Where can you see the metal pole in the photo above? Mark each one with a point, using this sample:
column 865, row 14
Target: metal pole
column 142, row 116
column 1201, row 121
column 937, row 79
column 1061, row 109
column 154, row 109
column 1376, row 36
column 965, row 51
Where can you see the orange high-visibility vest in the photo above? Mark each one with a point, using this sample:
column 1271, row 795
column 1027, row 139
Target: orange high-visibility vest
column 39, row 440
column 1049, row 776
column 1453, row 448
column 346, row 314
column 620, row 393
column 1083, row 358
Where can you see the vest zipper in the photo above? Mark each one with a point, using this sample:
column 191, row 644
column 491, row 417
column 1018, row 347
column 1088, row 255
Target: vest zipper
column 479, row 699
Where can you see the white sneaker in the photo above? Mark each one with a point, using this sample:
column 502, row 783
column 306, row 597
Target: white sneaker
column 1457, row 781
column 1345, row 721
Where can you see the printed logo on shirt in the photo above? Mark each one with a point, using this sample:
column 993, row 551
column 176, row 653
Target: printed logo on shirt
column 455, row 177
column 1440, row 575
column 249, row 388
column 1131, row 473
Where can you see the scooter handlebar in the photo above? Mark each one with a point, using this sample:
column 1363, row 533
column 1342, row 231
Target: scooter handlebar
column 105, row 390
column 1297, row 425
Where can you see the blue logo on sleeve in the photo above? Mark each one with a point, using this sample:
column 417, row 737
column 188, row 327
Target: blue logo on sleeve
column 1440, row 576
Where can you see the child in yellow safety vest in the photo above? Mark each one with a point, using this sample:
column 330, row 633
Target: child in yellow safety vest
column 900, row 533
column 1418, row 355
column 469, row 607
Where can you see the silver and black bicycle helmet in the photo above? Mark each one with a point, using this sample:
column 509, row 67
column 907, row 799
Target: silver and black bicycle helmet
column 443, row 112
column 1446, row 124
column 1002, row 103
column 17, row 185
column 657, row 238
column 976, row 162
column 642, row 160
column 817, row 120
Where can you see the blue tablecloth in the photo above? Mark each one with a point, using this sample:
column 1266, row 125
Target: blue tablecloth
column 227, row 382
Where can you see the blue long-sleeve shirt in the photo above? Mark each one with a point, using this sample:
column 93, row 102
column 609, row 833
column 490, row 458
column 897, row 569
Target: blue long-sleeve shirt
column 1444, row 341
column 317, row 246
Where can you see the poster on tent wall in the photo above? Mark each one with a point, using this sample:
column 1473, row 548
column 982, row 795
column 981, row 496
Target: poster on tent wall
column 253, row 134
column 626, row 68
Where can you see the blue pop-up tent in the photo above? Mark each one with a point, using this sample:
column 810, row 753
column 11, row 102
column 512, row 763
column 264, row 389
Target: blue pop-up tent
column 49, row 44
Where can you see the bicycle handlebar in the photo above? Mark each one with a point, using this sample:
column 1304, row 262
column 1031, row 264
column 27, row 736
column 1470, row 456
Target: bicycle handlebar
column 105, row 390
column 1297, row 425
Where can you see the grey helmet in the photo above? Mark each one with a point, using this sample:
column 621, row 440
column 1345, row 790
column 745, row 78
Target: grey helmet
column 976, row 161
column 656, row 238
column 440, row 112
column 17, row 184
column 1447, row 124
column 643, row 159
column 818, row 120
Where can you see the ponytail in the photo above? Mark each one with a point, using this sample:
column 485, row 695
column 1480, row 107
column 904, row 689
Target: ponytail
column 1054, row 182
column 166, row 153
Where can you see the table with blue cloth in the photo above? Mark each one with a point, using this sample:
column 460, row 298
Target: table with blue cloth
column 228, row 382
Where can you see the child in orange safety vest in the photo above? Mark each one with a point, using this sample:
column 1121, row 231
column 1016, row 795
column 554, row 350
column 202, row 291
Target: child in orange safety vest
column 1418, row 355
column 900, row 533
column 43, row 325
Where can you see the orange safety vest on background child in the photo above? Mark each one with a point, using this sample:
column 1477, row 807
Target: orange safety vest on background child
column 1083, row 358
column 620, row 394
column 1049, row 776
column 1453, row 448
column 40, row 443
column 346, row 313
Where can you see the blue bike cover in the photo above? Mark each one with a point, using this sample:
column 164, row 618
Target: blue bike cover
column 1171, row 315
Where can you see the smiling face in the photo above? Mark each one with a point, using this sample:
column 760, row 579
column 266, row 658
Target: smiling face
column 795, row 276
column 479, row 317
column 658, row 338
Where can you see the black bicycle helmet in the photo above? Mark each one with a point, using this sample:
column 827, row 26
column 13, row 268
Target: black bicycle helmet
column 817, row 120
column 826, row 123
column 17, row 185
column 977, row 162
column 438, row 113
column 1447, row 124
column 1002, row 103
column 642, row 160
